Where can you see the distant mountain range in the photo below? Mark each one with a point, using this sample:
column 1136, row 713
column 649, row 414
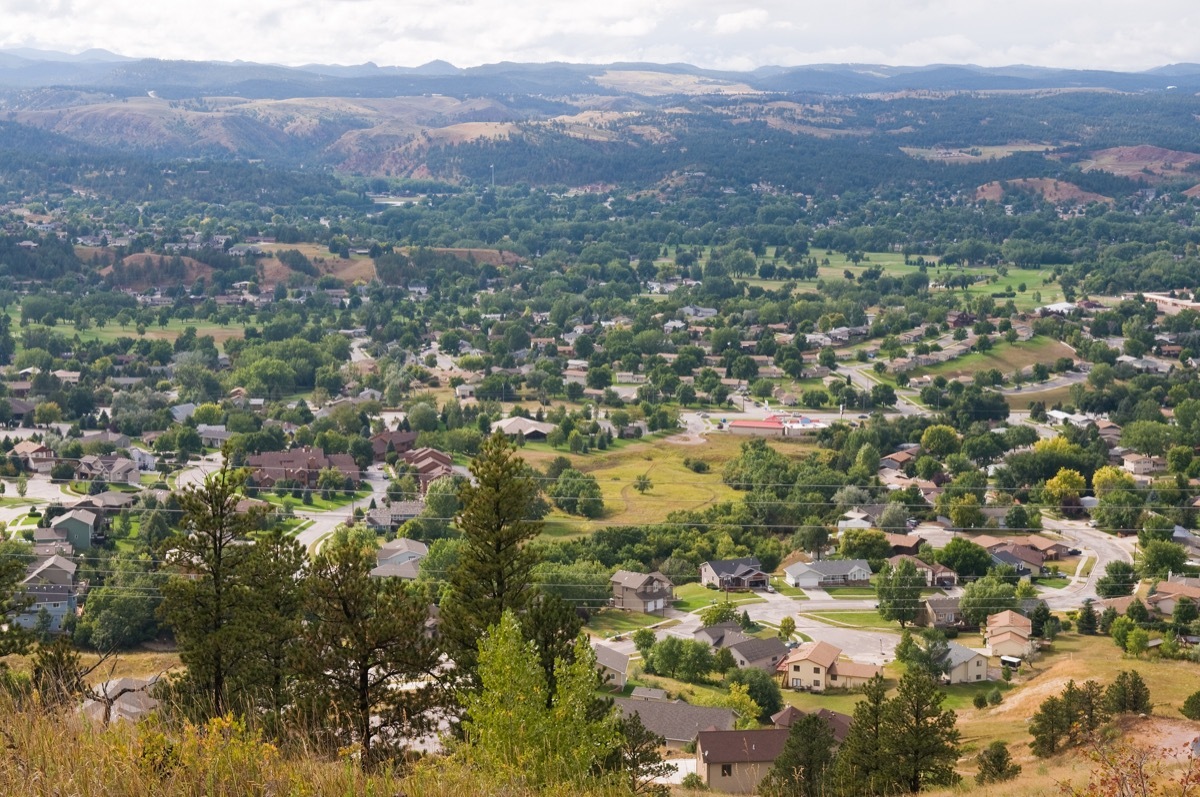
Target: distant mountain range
column 101, row 70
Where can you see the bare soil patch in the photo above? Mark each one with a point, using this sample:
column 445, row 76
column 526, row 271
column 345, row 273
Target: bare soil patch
column 1142, row 162
column 1052, row 190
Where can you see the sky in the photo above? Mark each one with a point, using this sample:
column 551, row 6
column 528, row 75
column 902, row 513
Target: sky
column 716, row 34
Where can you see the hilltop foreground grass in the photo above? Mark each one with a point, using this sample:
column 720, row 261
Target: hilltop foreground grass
column 61, row 753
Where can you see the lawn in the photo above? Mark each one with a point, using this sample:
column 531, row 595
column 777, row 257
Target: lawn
column 851, row 592
column 1005, row 357
column 960, row 696
column 173, row 329
column 1055, row 395
column 783, row 588
column 691, row 597
column 318, row 503
column 1088, row 564
column 608, row 622
column 859, row 619
column 1053, row 583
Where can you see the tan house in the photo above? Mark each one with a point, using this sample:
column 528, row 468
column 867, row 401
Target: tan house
column 641, row 592
column 936, row 575
column 964, row 665
column 1009, row 643
column 735, row 762
column 938, row 612
column 818, row 666
column 1167, row 594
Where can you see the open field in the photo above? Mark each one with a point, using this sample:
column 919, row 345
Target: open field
column 1023, row 399
column 1005, row 357
column 112, row 331
column 972, row 154
column 674, row 486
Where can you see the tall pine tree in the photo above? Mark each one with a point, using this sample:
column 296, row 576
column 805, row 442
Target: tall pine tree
column 208, row 604
column 860, row 760
column 364, row 639
column 803, row 766
column 920, row 739
column 494, row 569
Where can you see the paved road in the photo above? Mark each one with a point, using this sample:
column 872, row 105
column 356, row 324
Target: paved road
column 861, row 645
column 1092, row 542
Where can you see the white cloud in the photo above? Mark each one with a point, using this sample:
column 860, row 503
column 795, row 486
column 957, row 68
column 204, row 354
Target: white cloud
column 713, row 33
column 738, row 21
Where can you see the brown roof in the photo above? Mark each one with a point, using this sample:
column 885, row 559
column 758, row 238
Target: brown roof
column 741, row 747
column 821, row 653
column 1009, row 617
column 854, row 669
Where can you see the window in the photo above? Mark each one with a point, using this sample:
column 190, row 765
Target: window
column 727, row 770
column 816, row 670
column 978, row 662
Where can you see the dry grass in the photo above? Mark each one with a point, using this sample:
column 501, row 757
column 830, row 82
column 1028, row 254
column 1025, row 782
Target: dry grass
column 1048, row 188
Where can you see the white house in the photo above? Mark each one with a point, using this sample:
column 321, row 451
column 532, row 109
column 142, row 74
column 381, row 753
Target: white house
column 827, row 573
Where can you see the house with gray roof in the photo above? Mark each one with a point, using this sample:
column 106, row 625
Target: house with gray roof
column 763, row 654
column 641, row 592
column 743, row 573
column 677, row 722
column 964, row 665
column 613, row 666
column 828, row 573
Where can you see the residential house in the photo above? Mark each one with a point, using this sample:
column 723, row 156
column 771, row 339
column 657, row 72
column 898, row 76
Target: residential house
column 1008, row 633
column 213, row 435
column 964, row 665
column 78, row 527
column 104, row 436
column 855, row 519
column 400, row 558
column 430, row 465
column 1142, row 465
column 722, row 635
column 613, row 666
column 1027, row 561
column 828, row 573
column 677, row 722
column 383, row 519
column 398, row 441
column 108, row 468
column 1168, row 593
column 898, row 460
column 641, row 592
column 743, row 573
column 35, row 457
column 300, row 466
column 735, row 762
column 909, row 544
column 939, row 612
column 936, row 575
column 839, row 724
column 761, row 654
column 49, row 586
column 526, row 427
column 818, row 666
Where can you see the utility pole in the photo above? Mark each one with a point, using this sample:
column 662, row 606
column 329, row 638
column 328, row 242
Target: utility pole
column 492, row 166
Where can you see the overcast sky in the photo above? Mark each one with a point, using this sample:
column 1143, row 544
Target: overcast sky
column 726, row 34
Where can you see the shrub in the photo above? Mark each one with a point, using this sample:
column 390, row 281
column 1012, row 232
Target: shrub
column 1191, row 706
column 980, row 700
column 994, row 697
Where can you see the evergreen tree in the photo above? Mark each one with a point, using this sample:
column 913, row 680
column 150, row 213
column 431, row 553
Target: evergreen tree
column 364, row 636
column 803, row 767
column 899, row 591
column 1038, row 619
column 920, row 739
column 639, row 759
column 494, row 569
column 861, row 758
column 552, row 626
column 1128, row 694
column 1049, row 727
column 208, row 605
column 1086, row 621
column 277, row 570
column 995, row 765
